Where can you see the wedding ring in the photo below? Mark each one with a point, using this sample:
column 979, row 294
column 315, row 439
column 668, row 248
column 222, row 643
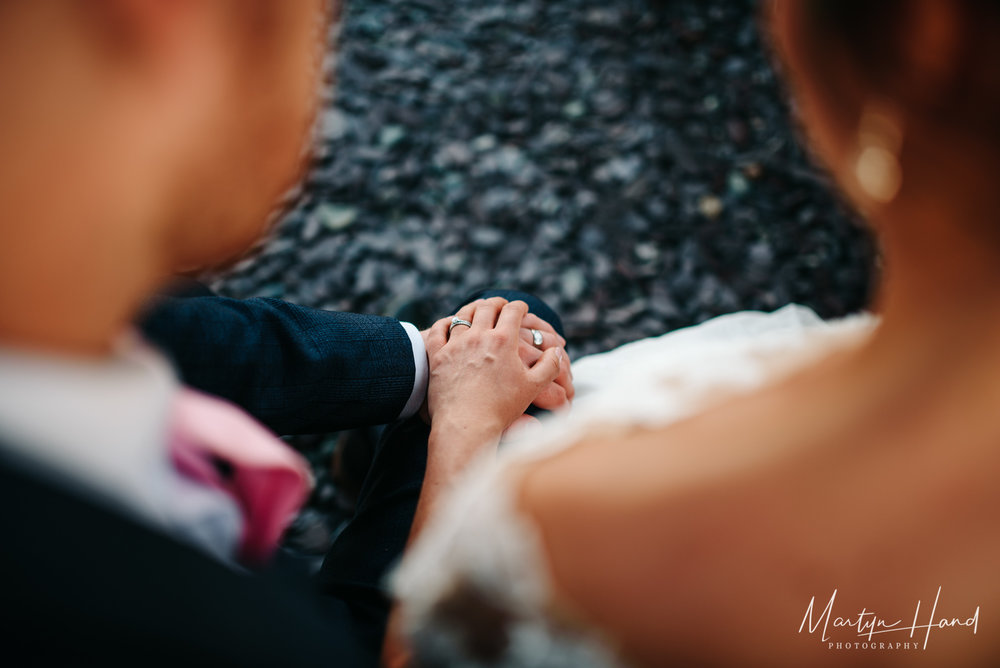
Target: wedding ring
column 455, row 322
column 536, row 338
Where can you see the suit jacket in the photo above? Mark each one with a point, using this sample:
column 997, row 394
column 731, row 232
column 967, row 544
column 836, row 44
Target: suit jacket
column 83, row 584
column 298, row 370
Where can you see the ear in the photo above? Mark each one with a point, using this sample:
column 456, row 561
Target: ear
column 932, row 50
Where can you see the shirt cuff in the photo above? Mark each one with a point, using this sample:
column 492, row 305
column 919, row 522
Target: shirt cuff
column 421, row 372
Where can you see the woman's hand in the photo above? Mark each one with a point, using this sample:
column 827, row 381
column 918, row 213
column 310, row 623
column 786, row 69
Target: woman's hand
column 478, row 379
column 560, row 392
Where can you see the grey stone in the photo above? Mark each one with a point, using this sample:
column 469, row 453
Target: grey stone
column 390, row 135
column 453, row 154
column 574, row 109
column 632, row 163
column 574, row 284
column 336, row 216
column 486, row 237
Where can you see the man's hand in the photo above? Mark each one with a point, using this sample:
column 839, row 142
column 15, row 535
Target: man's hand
column 477, row 374
column 555, row 395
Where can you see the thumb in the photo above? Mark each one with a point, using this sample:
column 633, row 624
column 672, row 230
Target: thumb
column 548, row 366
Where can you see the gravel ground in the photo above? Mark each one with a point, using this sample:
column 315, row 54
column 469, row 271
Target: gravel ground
column 631, row 162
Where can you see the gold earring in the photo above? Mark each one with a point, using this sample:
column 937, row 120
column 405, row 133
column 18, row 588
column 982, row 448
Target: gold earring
column 880, row 139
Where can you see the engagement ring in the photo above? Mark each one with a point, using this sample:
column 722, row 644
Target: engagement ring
column 536, row 338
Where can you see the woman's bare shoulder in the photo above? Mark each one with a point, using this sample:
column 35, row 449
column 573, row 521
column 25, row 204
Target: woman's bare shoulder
column 652, row 533
column 732, row 519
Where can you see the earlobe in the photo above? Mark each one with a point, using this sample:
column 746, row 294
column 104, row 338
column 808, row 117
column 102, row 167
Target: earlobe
column 877, row 170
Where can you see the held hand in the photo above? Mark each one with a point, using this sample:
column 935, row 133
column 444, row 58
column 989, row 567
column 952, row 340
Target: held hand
column 478, row 379
column 559, row 392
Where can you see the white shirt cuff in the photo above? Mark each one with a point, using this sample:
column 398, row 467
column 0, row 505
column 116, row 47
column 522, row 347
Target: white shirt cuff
column 421, row 372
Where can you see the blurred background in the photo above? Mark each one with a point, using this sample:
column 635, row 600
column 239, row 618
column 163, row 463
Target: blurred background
column 632, row 162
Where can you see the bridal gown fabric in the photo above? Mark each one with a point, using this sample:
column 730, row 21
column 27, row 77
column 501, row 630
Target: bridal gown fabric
column 474, row 587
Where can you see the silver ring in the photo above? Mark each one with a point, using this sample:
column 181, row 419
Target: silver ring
column 536, row 338
column 455, row 322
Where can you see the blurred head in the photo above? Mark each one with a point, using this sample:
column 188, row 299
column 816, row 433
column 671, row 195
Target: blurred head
column 188, row 119
column 911, row 81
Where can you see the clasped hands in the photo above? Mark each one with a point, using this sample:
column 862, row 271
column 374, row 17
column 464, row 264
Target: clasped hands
column 485, row 376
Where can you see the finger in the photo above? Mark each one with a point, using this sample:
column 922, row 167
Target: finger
column 466, row 313
column 529, row 354
column 469, row 310
column 532, row 321
column 548, row 366
column 565, row 379
column 561, row 390
column 549, row 340
column 438, row 335
column 487, row 312
column 509, row 321
column 551, row 398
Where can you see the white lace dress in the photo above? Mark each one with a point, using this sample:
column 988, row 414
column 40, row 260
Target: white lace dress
column 474, row 588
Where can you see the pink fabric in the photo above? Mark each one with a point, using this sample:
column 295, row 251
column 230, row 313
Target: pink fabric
column 219, row 445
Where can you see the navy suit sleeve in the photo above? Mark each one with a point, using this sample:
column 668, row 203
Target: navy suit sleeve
column 298, row 370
